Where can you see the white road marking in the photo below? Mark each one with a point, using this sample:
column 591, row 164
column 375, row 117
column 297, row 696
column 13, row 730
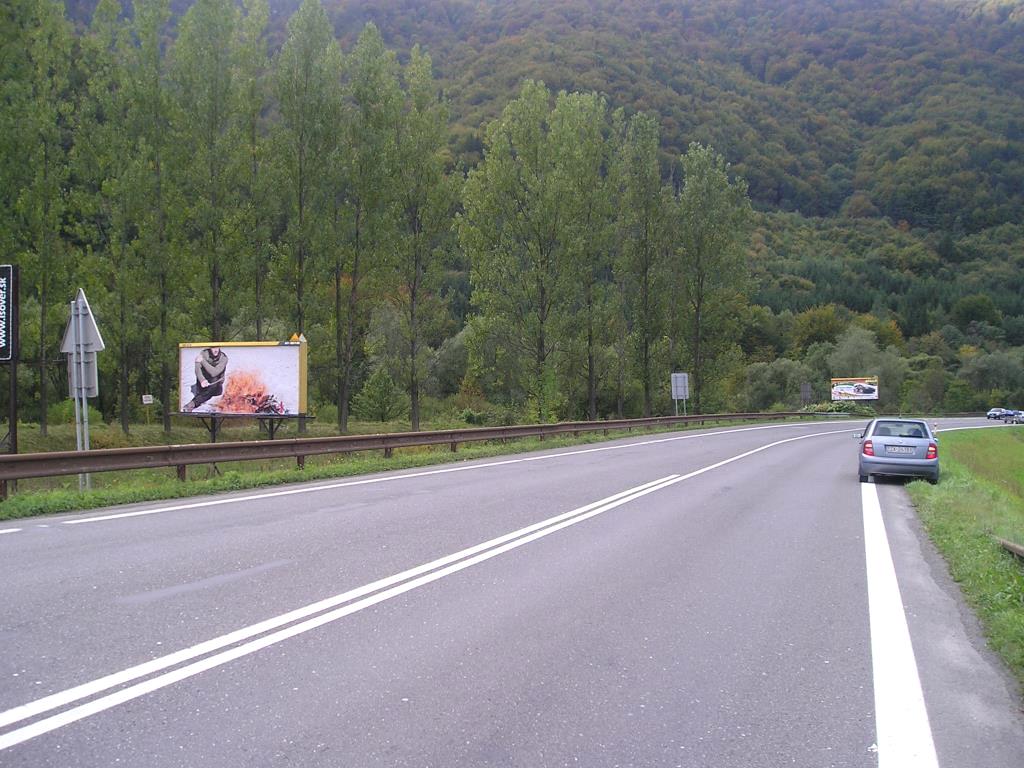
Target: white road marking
column 391, row 586
column 901, row 719
column 424, row 473
column 964, row 429
column 156, row 665
column 9, row 530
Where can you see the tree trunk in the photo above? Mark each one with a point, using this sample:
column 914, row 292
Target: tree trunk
column 698, row 362
column 42, row 356
column 591, row 364
column 414, row 381
column 542, row 353
column 645, row 355
column 122, row 372
column 620, row 400
column 165, row 300
column 215, row 327
column 350, row 335
column 338, row 341
column 45, row 258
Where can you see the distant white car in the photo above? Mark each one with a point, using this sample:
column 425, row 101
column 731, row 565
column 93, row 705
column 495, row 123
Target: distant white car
column 996, row 413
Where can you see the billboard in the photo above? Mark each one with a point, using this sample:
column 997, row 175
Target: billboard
column 863, row 388
column 254, row 377
column 680, row 386
column 8, row 314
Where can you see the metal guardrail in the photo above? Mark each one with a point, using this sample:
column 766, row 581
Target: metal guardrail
column 1011, row 547
column 58, row 463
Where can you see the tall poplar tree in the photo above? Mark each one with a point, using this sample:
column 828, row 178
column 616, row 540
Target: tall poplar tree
column 367, row 196
column 643, row 234
column 580, row 127
column 517, row 231
column 307, row 84
column 427, row 194
column 44, row 128
column 251, row 228
column 714, row 221
column 108, row 190
column 149, row 127
column 207, row 137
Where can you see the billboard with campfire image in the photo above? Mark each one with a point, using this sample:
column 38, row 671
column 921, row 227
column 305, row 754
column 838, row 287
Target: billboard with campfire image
column 262, row 378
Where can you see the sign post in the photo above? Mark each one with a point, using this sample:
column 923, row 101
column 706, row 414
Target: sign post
column 81, row 342
column 805, row 393
column 680, row 390
column 9, row 353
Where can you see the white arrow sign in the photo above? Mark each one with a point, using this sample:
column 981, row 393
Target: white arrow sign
column 81, row 336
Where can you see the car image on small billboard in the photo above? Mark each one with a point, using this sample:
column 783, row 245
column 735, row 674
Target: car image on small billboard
column 898, row 447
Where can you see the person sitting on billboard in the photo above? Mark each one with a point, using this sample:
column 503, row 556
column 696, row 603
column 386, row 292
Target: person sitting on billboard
column 211, row 369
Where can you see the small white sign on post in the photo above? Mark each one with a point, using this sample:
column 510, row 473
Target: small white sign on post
column 680, row 390
column 81, row 342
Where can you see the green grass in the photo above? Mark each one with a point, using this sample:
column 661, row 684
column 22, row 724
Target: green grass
column 981, row 495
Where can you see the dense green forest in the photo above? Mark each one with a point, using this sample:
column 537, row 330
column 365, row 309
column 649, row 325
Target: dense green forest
column 518, row 210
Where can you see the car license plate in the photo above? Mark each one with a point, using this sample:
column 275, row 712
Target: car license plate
column 898, row 449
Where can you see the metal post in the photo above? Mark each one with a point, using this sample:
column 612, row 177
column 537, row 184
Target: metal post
column 12, row 325
column 79, row 334
column 73, row 362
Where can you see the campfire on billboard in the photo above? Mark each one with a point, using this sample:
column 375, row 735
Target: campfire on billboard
column 245, row 392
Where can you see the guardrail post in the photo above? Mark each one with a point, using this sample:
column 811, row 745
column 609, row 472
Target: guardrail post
column 387, row 452
column 182, row 472
column 454, row 446
column 300, row 462
column 3, row 490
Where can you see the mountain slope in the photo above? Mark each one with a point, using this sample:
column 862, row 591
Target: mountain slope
column 913, row 110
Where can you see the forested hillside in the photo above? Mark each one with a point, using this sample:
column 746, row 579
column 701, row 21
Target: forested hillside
column 238, row 170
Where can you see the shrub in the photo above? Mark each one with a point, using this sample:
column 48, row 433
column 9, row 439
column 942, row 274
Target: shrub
column 64, row 413
column 380, row 400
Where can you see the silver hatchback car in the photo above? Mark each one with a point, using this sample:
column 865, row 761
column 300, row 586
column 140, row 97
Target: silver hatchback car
column 894, row 446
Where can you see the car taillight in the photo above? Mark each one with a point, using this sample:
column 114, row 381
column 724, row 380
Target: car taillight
column 933, row 451
column 869, row 449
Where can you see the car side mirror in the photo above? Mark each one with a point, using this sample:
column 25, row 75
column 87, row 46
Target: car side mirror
column 858, row 435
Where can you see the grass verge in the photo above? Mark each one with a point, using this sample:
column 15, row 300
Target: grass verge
column 981, row 495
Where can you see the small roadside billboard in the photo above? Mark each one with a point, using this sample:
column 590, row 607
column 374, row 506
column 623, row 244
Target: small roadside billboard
column 855, row 388
column 256, row 377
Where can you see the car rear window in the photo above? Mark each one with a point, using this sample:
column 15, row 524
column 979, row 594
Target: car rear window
column 900, row 429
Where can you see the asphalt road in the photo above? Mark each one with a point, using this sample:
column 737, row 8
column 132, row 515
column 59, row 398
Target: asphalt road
column 727, row 598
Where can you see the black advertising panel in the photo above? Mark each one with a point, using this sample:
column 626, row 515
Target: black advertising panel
column 8, row 313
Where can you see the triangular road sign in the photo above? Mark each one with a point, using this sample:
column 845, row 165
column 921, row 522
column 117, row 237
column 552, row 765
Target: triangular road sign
column 90, row 340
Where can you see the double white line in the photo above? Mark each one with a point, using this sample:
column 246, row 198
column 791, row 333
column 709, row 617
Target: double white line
column 150, row 676
column 253, row 638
